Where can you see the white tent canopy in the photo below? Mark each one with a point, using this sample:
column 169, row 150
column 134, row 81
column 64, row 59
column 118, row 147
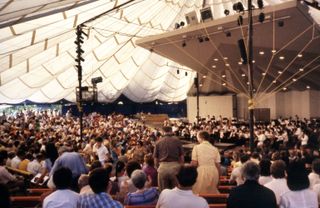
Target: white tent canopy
column 37, row 49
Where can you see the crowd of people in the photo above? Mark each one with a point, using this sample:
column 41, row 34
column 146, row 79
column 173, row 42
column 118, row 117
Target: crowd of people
column 138, row 164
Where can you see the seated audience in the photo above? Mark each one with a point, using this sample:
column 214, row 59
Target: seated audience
column 63, row 196
column 279, row 182
column 150, row 170
column 98, row 181
column 127, row 185
column 83, row 181
column 34, row 166
column 144, row 195
column 120, row 175
column 182, row 195
column 15, row 162
column 314, row 177
column 251, row 194
column 265, row 175
column 299, row 195
column 6, row 178
column 236, row 175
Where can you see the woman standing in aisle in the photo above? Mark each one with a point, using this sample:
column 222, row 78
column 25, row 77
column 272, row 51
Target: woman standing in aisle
column 207, row 158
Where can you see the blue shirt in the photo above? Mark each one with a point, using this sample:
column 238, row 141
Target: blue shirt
column 71, row 160
column 148, row 197
column 98, row 201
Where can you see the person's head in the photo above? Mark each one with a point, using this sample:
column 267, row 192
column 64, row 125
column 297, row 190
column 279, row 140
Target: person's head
column 5, row 197
column 187, row 176
column 120, row 168
column 62, row 178
column 297, row 176
column 316, row 166
column 167, row 130
column 95, row 164
column 131, row 166
column 3, row 156
column 278, row 169
column 99, row 141
column 148, row 159
column 203, row 136
column 244, row 158
column 138, row 178
column 250, row 171
column 265, row 167
column 99, row 180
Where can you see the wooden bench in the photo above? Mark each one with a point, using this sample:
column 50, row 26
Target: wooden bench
column 153, row 206
column 38, row 191
column 225, row 188
column 215, row 198
column 25, row 201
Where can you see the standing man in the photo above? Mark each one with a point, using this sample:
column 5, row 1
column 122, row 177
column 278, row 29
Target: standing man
column 168, row 156
column 101, row 151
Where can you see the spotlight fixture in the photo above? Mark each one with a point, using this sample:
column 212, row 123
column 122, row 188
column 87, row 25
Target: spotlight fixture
column 228, row 34
column 261, row 17
column 280, row 23
column 240, row 20
column 178, row 25
column 261, row 52
column 308, row 87
column 200, row 39
column 238, row 7
column 204, row 76
column 226, row 12
column 206, row 38
column 96, row 80
column 260, row 4
column 300, row 55
column 184, row 44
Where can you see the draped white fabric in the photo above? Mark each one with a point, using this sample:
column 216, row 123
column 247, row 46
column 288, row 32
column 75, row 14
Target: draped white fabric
column 37, row 49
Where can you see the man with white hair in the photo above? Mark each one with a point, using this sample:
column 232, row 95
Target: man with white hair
column 251, row 194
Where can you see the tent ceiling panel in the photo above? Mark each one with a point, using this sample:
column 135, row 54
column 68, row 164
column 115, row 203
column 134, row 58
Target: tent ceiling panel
column 37, row 50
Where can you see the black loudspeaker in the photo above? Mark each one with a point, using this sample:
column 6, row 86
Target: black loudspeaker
column 243, row 51
column 196, row 82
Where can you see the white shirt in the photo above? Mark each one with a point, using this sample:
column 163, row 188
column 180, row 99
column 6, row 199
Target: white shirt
column 173, row 198
column 316, row 188
column 314, row 179
column 61, row 198
column 34, row 167
column 101, row 152
column 5, row 176
column 278, row 186
column 236, row 175
column 15, row 162
column 299, row 199
column 264, row 179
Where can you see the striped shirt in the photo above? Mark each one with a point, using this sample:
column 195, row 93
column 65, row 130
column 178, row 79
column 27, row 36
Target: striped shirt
column 97, row 201
column 147, row 197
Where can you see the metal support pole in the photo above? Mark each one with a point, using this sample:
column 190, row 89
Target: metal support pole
column 198, row 110
column 79, row 67
column 250, row 75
